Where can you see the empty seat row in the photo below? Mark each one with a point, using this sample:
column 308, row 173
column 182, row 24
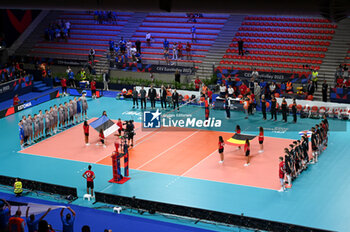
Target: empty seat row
column 274, row 59
column 281, row 35
column 284, row 41
column 279, row 53
column 288, row 30
column 282, row 47
column 273, row 65
column 310, row 25
column 288, row 19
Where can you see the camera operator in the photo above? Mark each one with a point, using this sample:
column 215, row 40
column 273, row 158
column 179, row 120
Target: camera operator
column 130, row 132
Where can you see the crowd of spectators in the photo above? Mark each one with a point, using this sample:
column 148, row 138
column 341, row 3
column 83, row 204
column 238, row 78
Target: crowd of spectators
column 11, row 71
column 125, row 51
column 176, row 49
column 58, row 30
column 105, row 17
column 342, row 76
column 192, row 17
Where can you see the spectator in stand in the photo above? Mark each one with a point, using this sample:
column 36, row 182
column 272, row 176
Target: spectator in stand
column 179, row 50
column 33, row 224
column 57, row 34
column 310, row 88
column 122, row 45
column 197, row 83
column 133, row 52
column 240, row 47
column 289, row 86
column 166, row 56
column 345, row 71
column 222, row 90
column 138, row 58
column 230, row 91
column 85, row 229
column 67, row 25
column 16, row 100
column 5, row 214
column 272, row 88
column 347, row 83
column 68, row 220
column 148, row 39
column 255, row 74
column 92, row 55
column 188, row 51
column 166, row 44
column 111, row 45
column 175, row 51
column 324, row 91
column 314, row 78
column 128, row 48
column 339, row 71
column 16, row 223
column 71, row 80
column 193, row 33
column 138, row 46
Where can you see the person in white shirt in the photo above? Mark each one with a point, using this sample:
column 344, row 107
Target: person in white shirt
column 175, row 51
column 148, row 39
column 133, row 53
column 255, row 73
column 222, row 90
column 67, row 26
column 68, row 70
column 230, row 91
column 128, row 48
column 272, row 87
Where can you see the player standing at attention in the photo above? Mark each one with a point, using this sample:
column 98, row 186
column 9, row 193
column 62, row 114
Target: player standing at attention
column 61, row 117
column 221, row 149
column 288, row 169
column 314, row 145
column 65, row 110
column 238, row 131
column 261, row 139
column 273, row 107
column 52, row 120
column 21, row 134
column 30, row 129
column 86, row 133
column 281, row 174
column 294, row 111
column 36, row 128
column 75, row 106
column 247, row 152
column 84, row 106
column 41, row 124
column 47, row 123
column 71, row 113
column 89, row 176
column 263, row 106
column 284, row 108
column 55, row 118
column 120, row 125
column 102, row 139
column 25, row 130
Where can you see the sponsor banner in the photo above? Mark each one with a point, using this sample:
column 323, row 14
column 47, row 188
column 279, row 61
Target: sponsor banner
column 19, row 86
column 268, row 76
column 28, row 104
column 134, row 67
column 341, row 95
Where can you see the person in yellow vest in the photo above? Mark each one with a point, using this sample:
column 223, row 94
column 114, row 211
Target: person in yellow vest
column 314, row 78
column 18, row 188
column 289, row 87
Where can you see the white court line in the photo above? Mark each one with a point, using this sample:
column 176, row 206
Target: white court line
column 199, row 163
column 133, row 147
column 167, row 149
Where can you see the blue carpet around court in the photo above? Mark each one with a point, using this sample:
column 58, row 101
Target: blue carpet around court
column 319, row 197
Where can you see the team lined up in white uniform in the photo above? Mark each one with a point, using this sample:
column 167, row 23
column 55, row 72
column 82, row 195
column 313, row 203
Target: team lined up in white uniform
column 57, row 118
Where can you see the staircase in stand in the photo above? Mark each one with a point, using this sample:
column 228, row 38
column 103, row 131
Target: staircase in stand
column 218, row 48
column 335, row 56
column 40, row 86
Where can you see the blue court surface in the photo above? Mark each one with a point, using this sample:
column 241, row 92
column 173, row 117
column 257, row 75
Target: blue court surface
column 319, row 197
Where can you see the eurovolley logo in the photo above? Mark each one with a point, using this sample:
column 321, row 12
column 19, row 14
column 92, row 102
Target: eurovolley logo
column 153, row 119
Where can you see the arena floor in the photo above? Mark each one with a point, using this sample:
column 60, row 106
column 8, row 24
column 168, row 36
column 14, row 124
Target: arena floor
column 181, row 167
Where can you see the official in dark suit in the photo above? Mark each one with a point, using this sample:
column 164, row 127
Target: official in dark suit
column 163, row 95
column 175, row 98
column 152, row 94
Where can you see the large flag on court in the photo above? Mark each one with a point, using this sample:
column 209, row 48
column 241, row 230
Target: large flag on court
column 104, row 123
column 239, row 139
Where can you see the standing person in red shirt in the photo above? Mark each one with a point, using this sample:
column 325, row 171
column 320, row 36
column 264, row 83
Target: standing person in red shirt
column 93, row 89
column 16, row 223
column 15, row 100
column 120, row 125
column 64, row 86
column 238, row 131
column 247, row 152
column 89, row 176
column 281, row 171
column 221, row 149
column 197, row 83
column 210, row 95
column 261, row 139
column 243, row 89
column 86, row 133
column 102, row 139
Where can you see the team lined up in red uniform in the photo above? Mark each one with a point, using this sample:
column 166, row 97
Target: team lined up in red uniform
column 297, row 159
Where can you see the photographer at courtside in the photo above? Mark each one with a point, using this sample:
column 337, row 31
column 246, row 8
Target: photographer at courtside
column 129, row 132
